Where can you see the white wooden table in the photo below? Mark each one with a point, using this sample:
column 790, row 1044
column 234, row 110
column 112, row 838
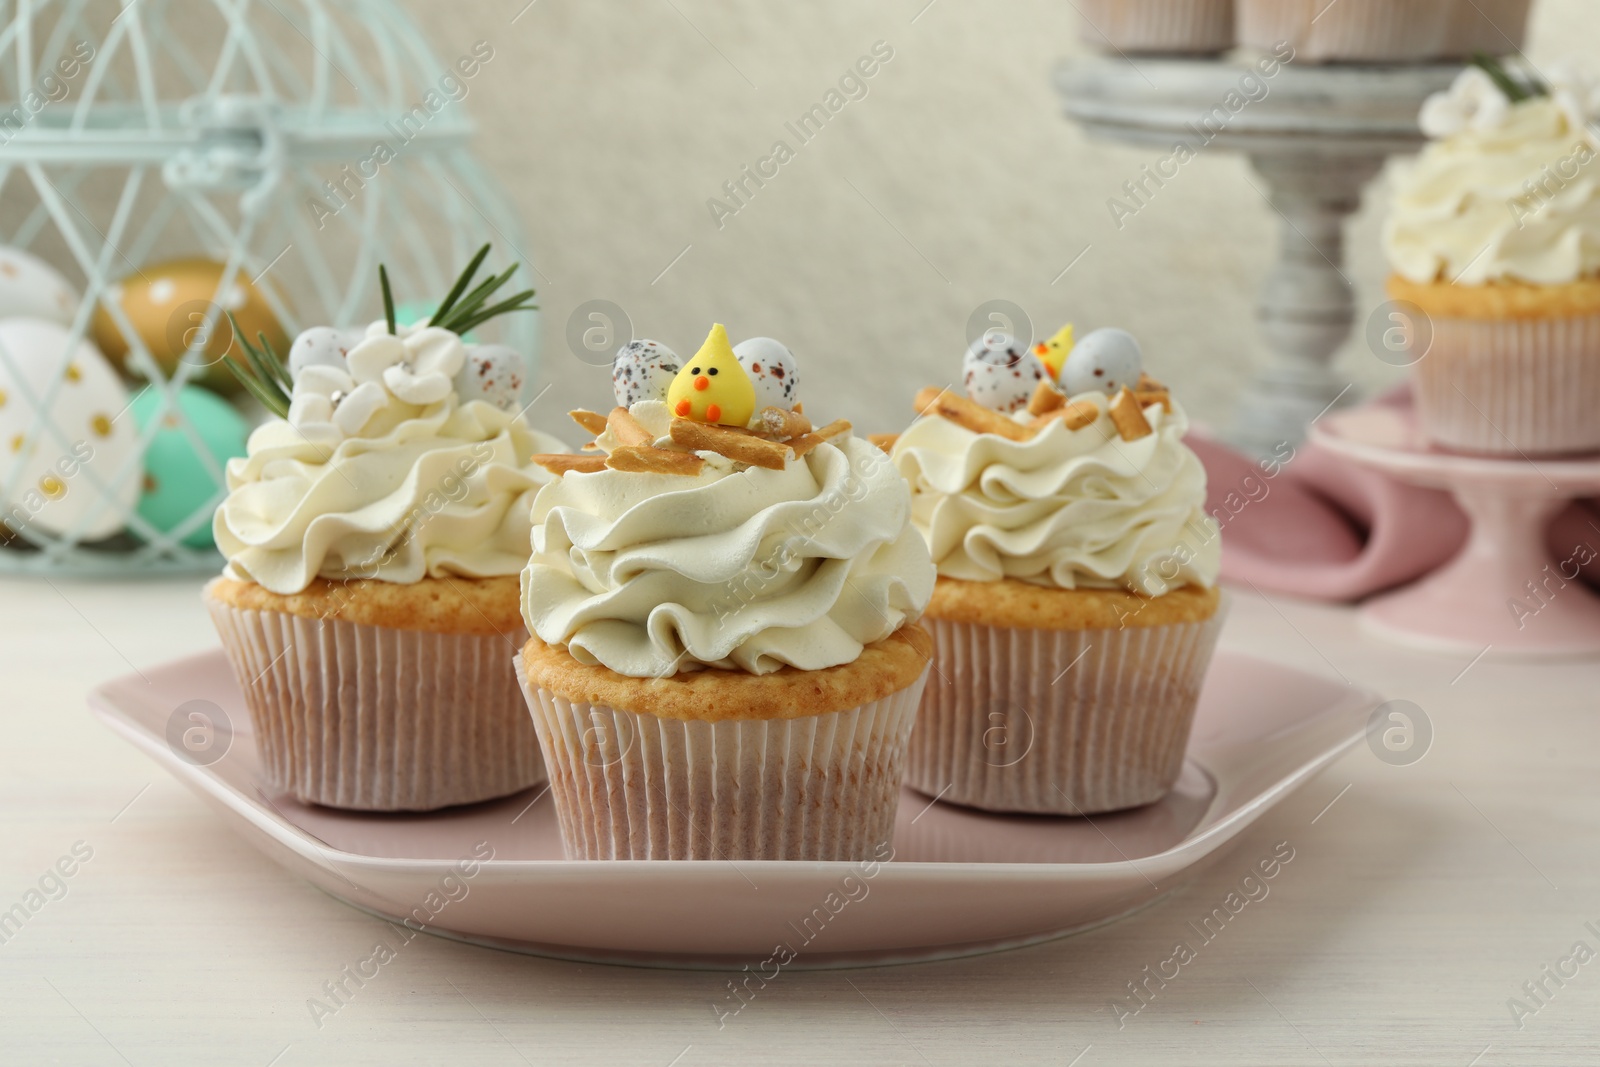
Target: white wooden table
column 1420, row 900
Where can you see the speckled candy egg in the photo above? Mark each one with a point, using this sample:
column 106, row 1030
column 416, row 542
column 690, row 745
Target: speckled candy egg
column 494, row 373
column 168, row 305
column 54, row 490
column 31, row 287
column 772, row 370
column 322, row 346
column 643, row 370
column 1103, row 361
column 1000, row 374
column 177, row 481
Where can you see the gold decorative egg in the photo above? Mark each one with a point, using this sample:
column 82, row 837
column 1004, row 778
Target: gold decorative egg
column 167, row 305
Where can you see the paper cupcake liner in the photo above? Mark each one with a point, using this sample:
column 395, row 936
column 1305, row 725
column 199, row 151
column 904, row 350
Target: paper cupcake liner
column 1512, row 386
column 1493, row 26
column 1060, row 722
column 377, row 719
column 1349, row 30
column 633, row 786
column 1186, row 26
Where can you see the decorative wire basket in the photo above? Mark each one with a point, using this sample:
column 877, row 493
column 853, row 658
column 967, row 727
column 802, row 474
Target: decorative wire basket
column 297, row 144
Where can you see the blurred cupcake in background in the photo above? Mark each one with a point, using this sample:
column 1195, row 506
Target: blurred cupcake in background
column 1493, row 237
column 724, row 660
column 1076, row 607
column 1189, row 27
column 373, row 534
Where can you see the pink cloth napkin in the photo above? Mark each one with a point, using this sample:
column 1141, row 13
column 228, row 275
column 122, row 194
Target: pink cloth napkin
column 1310, row 523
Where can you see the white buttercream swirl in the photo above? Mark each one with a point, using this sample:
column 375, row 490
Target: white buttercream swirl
column 426, row 491
column 1066, row 508
column 735, row 567
column 1508, row 193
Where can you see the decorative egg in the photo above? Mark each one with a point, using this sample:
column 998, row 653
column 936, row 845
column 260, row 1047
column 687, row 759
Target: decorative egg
column 177, row 481
column 643, row 370
column 167, row 304
column 772, row 371
column 56, row 490
column 33, row 288
column 494, row 373
column 1102, row 361
column 322, row 346
column 1000, row 374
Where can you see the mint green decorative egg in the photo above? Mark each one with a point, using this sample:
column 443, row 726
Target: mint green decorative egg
column 177, row 481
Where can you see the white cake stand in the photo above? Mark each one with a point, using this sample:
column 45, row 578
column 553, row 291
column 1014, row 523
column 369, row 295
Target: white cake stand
column 1504, row 593
column 1316, row 137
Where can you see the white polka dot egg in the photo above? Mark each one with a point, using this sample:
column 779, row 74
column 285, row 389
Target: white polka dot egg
column 51, row 476
column 31, row 287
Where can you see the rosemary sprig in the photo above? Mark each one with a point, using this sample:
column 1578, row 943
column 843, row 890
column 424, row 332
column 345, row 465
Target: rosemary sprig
column 460, row 313
column 1514, row 90
column 388, row 297
column 261, row 372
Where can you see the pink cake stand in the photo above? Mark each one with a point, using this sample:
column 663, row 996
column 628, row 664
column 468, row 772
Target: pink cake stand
column 1471, row 604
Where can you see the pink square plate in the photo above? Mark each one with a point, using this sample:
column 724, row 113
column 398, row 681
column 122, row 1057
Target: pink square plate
column 960, row 882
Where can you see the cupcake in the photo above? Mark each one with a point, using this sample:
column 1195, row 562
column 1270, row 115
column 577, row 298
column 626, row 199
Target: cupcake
column 723, row 661
column 1352, row 31
column 1493, row 237
column 1076, row 607
column 1193, row 27
column 373, row 534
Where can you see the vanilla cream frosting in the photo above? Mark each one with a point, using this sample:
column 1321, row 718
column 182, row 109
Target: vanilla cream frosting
column 1508, row 192
column 736, row 567
column 361, row 483
column 1065, row 508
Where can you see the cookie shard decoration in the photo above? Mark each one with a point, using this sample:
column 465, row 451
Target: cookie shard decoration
column 884, row 441
column 740, row 447
column 1046, row 398
column 1128, row 416
column 1077, row 414
column 781, row 423
column 592, row 421
column 1149, row 391
column 565, row 462
column 807, row 442
column 648, row 459
column 969, row 415
column 628, row 430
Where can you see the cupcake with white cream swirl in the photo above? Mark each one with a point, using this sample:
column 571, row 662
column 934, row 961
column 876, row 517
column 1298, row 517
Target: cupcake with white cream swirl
column 1076, row 607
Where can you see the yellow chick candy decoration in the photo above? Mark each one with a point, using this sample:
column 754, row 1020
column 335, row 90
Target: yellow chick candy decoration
column 1053, row 353
column 712, row 386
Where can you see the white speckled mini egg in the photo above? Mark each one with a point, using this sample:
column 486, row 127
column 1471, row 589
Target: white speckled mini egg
column 772, row 370
column 31, row 287
column 494, row 373
column 1102, row 361
column 322, row 346
column 643, row 370
column 1001, row 374
column 54, row 491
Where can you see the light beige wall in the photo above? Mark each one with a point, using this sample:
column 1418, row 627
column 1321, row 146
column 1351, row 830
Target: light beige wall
column 954, row 181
